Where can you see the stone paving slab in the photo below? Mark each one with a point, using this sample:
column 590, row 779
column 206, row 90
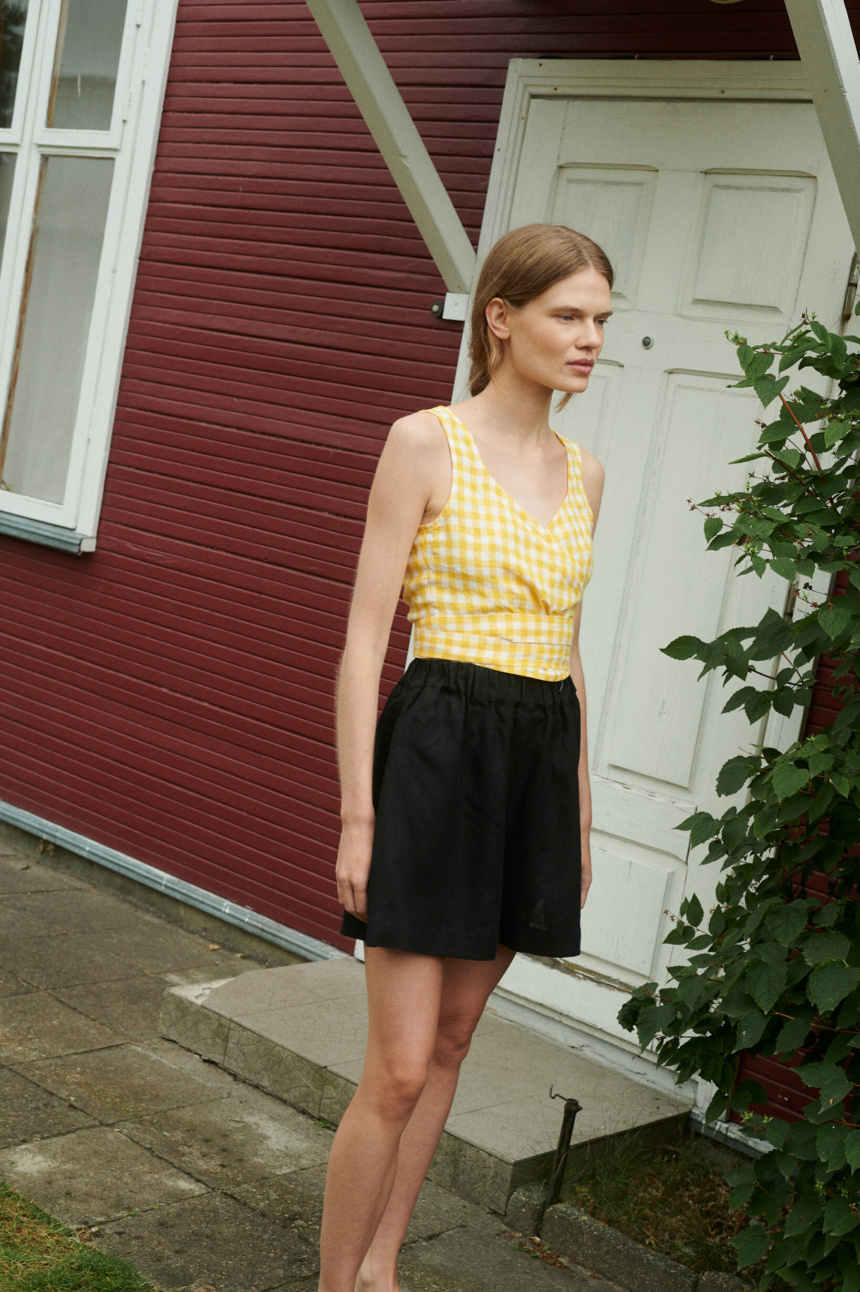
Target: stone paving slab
column 118, row 1084
column 128, row 1007
column 82, row 910
column 60, row 961
column 93, row 1176
column 12, row 985
column 213, row 1242
column 36, row 1026
column 27, row 1112
column 18, row 922
column 246, row 1137
column 20, row 876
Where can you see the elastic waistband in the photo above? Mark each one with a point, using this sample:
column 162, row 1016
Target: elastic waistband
column 480, row 683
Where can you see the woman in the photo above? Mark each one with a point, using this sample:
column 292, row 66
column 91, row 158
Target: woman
column 466, row 833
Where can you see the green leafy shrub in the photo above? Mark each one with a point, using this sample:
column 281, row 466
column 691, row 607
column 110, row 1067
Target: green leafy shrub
column 774, row 968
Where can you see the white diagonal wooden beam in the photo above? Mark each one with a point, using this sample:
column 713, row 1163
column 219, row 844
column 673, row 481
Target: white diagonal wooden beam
column 372, row 86
column 828, row 52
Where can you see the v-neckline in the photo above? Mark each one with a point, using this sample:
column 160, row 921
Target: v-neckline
column 544, row 529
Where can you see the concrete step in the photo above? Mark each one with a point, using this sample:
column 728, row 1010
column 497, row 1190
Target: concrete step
column 299, row 1032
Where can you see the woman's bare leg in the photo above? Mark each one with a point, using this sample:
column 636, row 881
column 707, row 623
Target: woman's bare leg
column 404, row 992
column 466, row 984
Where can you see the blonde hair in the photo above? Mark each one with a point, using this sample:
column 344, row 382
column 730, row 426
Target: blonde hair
column 523, row 264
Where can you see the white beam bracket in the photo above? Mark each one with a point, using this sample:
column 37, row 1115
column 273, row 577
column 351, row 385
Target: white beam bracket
column 372, row 86
column 831, row 65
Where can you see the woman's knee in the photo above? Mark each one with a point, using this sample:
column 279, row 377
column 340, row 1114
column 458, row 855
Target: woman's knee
column 395, row 1087
column 453, row 1038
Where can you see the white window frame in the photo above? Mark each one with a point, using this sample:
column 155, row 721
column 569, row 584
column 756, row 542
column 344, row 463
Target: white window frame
column 131, row 142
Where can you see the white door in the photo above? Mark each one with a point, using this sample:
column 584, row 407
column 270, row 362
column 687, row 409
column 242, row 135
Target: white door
column 718, row 213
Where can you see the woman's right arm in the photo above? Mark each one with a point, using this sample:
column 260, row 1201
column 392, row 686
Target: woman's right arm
column 412, row 476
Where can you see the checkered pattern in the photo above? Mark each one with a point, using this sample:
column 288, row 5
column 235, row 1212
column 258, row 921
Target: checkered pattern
column 487, row 584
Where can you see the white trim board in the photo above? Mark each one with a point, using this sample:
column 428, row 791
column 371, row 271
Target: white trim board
column 822, row 31
column 241, row 917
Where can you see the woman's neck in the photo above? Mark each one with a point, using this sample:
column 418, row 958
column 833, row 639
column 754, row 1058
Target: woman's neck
column 520, row 413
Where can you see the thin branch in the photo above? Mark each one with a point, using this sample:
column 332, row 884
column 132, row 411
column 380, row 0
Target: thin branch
column 799, row 425
column 787, row 469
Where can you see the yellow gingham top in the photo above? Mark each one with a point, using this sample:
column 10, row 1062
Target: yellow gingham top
column 485, row 583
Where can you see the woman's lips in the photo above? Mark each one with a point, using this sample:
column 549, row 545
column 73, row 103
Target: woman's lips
column 582, row 365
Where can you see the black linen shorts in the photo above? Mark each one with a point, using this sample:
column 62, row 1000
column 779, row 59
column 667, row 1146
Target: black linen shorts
column 476, row 842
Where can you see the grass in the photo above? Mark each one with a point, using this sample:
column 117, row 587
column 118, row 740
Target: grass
column 673, row 1198
column 38, row 1254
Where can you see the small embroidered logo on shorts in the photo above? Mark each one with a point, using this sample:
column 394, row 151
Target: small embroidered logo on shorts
column 538, row 919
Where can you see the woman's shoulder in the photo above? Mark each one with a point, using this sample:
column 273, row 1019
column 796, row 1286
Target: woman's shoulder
column 592, row 475
column 419, row 435
column 421, row 429
column 592, row 469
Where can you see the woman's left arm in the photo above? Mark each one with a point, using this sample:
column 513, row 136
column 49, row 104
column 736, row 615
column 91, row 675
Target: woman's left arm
column 592, row 479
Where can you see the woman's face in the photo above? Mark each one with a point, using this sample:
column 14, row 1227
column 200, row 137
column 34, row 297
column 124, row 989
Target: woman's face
column 555, row 339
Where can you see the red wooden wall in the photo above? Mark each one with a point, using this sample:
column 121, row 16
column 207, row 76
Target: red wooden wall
column 171, row 694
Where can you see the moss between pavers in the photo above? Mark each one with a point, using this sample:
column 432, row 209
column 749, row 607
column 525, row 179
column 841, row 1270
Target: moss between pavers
column 38, row 1254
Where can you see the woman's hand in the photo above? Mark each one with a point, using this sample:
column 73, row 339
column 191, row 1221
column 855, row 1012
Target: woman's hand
column 586, row 866
column 353, row 866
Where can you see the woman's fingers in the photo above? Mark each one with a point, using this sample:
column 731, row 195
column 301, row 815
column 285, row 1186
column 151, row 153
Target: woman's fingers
column 353, row 897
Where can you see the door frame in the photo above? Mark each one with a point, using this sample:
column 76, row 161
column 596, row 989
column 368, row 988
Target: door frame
column 534, row 991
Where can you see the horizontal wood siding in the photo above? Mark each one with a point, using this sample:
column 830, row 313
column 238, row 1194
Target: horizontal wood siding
column 171, row 694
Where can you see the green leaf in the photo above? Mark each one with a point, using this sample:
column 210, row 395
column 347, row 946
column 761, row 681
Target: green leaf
column 758, row 365
column 852, row 1150
column 788, row 779
column 803, row 1215
column 683, row 648
column 830, row 1143
column 735, row 773
column 750, row 1030
column 767, row 388
column 750, row 1245
column 701, row 826
column 692, row 911
column 786, row 924
column 828, row 945
column 713, row 525
column 826, row 1077
column 834, row 619
column 766, row 983
column 839, row 1219
column 792, row 1036
column 653, row 1020
column 782, row 566
column 830, row 983
column 821, row 332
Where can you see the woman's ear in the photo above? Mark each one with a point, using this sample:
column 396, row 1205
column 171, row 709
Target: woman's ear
column 498, row 318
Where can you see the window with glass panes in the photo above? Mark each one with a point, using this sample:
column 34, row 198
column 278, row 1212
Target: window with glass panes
column 79, row 105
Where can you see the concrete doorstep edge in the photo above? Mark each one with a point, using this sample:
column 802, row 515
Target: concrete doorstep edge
column 608, row 1252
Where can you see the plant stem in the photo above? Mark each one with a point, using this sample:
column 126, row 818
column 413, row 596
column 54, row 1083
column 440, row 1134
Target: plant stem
column 799, row 426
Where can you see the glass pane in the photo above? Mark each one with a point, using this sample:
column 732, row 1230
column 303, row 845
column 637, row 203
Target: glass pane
column 13, row 16
column 65, row 250
column 87, row 58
